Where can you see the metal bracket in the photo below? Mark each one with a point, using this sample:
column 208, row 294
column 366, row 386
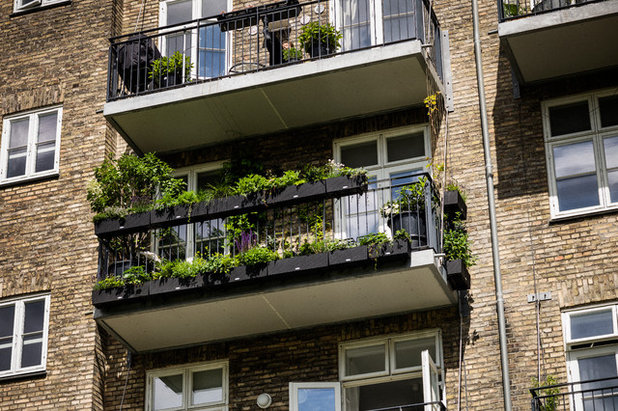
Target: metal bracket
column 542, row 296
column 447, row 77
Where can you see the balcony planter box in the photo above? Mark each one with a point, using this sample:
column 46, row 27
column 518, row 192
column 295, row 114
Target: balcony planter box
column 298, row 264
column 344, row 185
column 453, row 203
column 107, row 226
column 171, row 215
column 396, row 249
column 457, row 275
column 130, row 223
column 234, row 205
column 167, row 285
column 243, row 273
column 296, row 194
column 413, row 222
column 115, row 294
column 350, row 255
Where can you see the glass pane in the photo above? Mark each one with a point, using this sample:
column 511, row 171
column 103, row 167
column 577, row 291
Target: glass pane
column 386, row 395
column 609, row 111
column 569, row 118
column 398, row 28
column 408, row 353
column 360, row 155
column 591, row 324
column 167, row 392
column 47, row 127
column 207, row 387
column 5, row 357
column 178, row 42
column 19, row 133
column 35, row 316
column 32, row 350
column 208, row 178
column 404, row 147
column 7, row 314
column 179, row 11
column 611, row 152
column 573, row 159
column 16, row 163
column 595, row 368
column 212, row 64
column 365, row 360
column 578, row 192
column 316, row 399
column 213, row 7
column 356, row 37
column 612, row 178
column 355, row 12
column 45, row 155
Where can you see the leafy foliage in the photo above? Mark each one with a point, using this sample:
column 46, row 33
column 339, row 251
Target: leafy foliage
column 292, row 53
column 109, row 283
column 550, row 402
column 165, row 67
column 325, row 33
column 136, row 275
column 456, row 244
column 257, row 256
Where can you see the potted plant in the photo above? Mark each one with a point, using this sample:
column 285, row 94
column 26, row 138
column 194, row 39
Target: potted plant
column 458, row 254
column 168, row 71
column 407, row 212
column 319, row 39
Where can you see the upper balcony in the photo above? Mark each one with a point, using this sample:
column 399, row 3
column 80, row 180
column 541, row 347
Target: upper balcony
column 312, row 254
column 588, row 395
column 548, row 39
column 247, row 73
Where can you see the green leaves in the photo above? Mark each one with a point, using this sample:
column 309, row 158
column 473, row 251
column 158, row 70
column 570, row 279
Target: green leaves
column 456, row 244
column 170, row 66
column 326, row 33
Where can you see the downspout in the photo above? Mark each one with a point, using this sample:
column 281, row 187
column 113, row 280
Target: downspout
column 506, row 384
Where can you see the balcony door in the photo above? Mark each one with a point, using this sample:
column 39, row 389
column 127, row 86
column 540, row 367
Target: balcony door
column 206, row 46
column 600, row 367
column 366, row 23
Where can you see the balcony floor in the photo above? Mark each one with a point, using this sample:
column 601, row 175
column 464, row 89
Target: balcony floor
column 417, row 284
column 347, row 85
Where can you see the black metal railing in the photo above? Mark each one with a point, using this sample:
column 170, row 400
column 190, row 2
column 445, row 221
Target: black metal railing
column 260, row 38
column 590, row 395
column 426, row 406
column 290, row 230
column 510, row 9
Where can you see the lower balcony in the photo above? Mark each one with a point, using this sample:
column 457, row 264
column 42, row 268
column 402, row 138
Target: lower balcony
column 332, row 258
column 270, row 68
column 588, row 395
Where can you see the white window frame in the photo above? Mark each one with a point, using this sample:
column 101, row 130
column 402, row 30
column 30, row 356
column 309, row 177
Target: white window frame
column 18, row 329
column 596, row 134
column 566, row 321
column 196, row 10
column 295, row 386
column 187, row 370
column 33, row 123
column 19, row 5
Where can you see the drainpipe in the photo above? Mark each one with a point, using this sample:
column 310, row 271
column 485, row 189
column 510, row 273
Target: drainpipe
column 506, row 385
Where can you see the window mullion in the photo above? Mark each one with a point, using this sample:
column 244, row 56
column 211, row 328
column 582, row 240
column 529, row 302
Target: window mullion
column 31, row 144
column 18, row 330
column 599, row 158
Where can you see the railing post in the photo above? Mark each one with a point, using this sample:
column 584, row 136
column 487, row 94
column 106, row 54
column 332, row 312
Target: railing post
column 500, row 10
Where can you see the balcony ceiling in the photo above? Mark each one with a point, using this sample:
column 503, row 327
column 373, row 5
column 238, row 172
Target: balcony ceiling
column 347, row 85
column 563, row 42
column 341, row 297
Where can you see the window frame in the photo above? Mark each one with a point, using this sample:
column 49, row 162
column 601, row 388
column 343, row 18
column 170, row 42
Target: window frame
column 295, row 386
column 33, row 122
column 36, row 4
column 17, row 337
column 596, row 135
column 187, row 371
column 566, row 325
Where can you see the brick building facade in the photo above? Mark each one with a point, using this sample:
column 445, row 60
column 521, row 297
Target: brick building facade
column 113, row 356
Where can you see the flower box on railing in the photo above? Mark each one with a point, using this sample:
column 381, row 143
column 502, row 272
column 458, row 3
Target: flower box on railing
column 298, row 264
column 454, row 203
column 457, row 275
column 166, row 285
column 128, row 224
column 348, row 255
column 128, row 292
column 394, row 250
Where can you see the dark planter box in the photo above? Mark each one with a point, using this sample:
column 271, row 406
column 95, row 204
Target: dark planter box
column 131, row 223
column 453, row 203
column 234, row 205
column 350, row 255
column 298, row 264
column 170, row 216
column 167, row 285
column 414, row 223
column 396, row 249
column 457, row 275
column 297, row 194
column 343, row 185
column 116, row 294
column 243, row 273
column 107, row 226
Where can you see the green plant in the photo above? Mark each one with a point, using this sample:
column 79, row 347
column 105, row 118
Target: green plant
column 220, row 263
column 292, row 53
column 410, row 197
column 165, row 67
column 256, row 256
column 109, row 283
column 136, row 275
column 324, row 33
column 456, row 244
column 374, row 239
column 453, row 186
column 402, row 235
column 252, row 183
column 550, row 402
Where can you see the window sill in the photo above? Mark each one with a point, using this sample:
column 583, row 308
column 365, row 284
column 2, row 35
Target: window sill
column 583, row 214
column 29, row 180
column 23, row 376
column 39, row 8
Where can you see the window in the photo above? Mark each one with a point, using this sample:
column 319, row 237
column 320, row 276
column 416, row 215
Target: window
column 581, row 139
column 30, row 145
column 210, row 53
column 23, row 335
column 205, row 237
column 591, row 337
column 308, row 396
column 392, row 372
column 390, row 157
column 199, row 387
column 22, row 5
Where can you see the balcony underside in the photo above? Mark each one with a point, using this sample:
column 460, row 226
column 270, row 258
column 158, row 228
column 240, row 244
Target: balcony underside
column 563, row 42
column 232, row 312
column 348, row 85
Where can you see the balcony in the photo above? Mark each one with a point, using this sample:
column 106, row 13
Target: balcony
column 589, row 395
column 548, row 39
column 245, row 73
column 328, row 253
